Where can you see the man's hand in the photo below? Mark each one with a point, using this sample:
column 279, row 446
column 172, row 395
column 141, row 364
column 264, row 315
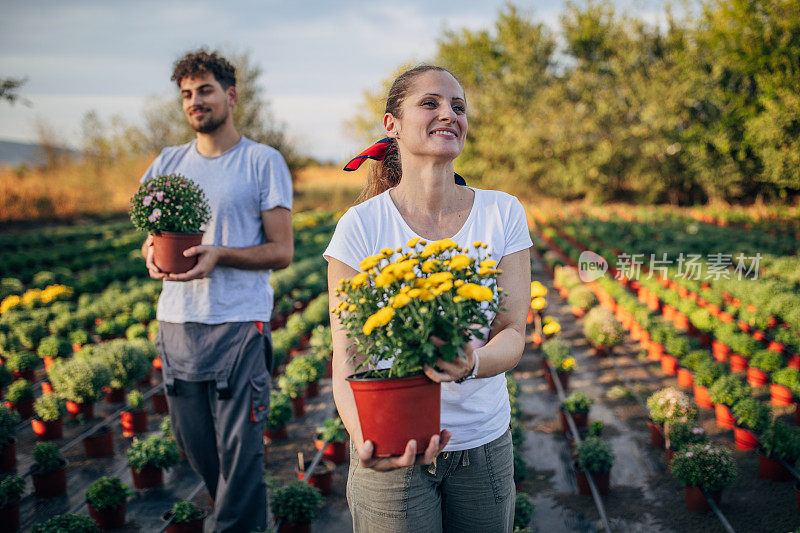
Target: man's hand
column 409, row 457
column 207, row 259
column 155, row 272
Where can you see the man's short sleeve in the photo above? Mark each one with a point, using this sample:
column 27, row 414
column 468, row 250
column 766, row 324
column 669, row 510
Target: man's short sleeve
column 517, row 234
column 154, row 169
column 348, row 243
column 276, row 184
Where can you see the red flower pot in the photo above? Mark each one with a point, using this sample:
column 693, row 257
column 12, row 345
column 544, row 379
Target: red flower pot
column 48, row 362
column 669, row 364
column 321, row 477
column 758, row 335
column 194, row 526
column 312, row 390
column 394, row 411
column 577, row 311
column 168, row 251
column 74, row 409
column 696, row 502
column 277, row 434
column 656, row 435
column 668, row 311
column 601, row 351
column 563, row 377
column 724, row 416
column 738, row 362
column 780, row 395
column 50, row 484
column 794, row 362
column 581, row 420
column 108, row 518
column 705, row 340
column 654, row 351
column 24, row 408
column 334, row 451
column 100, row 443
column 149, row 477
column 9, row 517
column 159, row 402
column 47, row 387
column 51, row 430
column 114, row 395
column 721, row 351
column 702, row 398
column 670, row 454
column 757, row 377
column 772, row 469
column 636, row 331
column 298, row 406
column 133, row 422
column 745, row 439
column 601, row 481
column 685, row 378
column 8, row 456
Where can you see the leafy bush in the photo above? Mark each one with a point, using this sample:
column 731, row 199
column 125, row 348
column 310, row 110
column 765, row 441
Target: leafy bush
column 49, row 407
column 29, row 333
column 156, row 451
column 107, row 493
column 297, row 503
column 582, row 298
column 752, row 414
column 47, row 457
column 143, row 311
column 166, row 427
column 54, row 346
column 6, row 377
column 79, row 336
column 601, row 328
column 21, row 361
column 577, row 402
column 683, row 433
column 702, row 320
column 707, row 373
column 671, row 405
column 291, row 386
column 317, row 311
column 170, row 203
column 595, row 455
column 19, row 391
column 596, row 428
column 135, row 400
column 8, row 424
column 728, row 390
column 781, row 441
column 321, row 342
column 79, row 380
column 184, row 511
column 128, row 364
column 303, row 369
column 523, row 510
column 280, row 410
column 67, row 523
column 555, row 350
column 332, row 430
column 703, row 465
column 678, row 345
column 767, row 361
column 11, row 489
column 136, row 331
column 788, row 377
column 695, row 358
column 743, row 344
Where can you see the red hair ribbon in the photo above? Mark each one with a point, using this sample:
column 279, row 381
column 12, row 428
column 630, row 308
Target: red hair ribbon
column 376, row 152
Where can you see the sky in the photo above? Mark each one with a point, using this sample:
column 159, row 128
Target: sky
column 317, row 57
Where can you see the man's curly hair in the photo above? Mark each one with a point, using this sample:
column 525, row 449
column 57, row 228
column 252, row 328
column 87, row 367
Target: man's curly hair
column 201, row 62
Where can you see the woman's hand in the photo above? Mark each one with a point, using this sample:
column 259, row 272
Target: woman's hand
column 409, row 457
column 451, row 370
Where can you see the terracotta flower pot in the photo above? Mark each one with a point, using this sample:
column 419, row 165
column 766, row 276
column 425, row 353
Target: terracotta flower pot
column 334, row 451
column 757, row 377
column 23, row 407
column 669, row 364
column 668, row 311
column 168, row 251
column 721, row 351
column 772, row 469
column 656, row 435
column 794, row 362
column 194, row 526
column 75, row 409
column 48, row 430
column 149, row 477
column 724, row 416
column 394, row 411
column 133, row 422
column 696, row 502
column 298, row 406
column 680, row 320
column 738, row 362
column 277, row 434
column 288, row 527
column 670, row 454
column 577, row 311
column 685, row 378
column 113, row 518
column 8, row 456
column 47, row 387
column 581, row 420
column 655, row 350
column 9, row 517
column 702, row 398
column 780, row 395
column 100, row 443
column 601, row 351
column 159, row 402
column 50, row 484
column 312, row 390
column 114, row 395
column 321, row 477
column 746, row 440
column 563, row 377
column 601, row 481
column 48, row 362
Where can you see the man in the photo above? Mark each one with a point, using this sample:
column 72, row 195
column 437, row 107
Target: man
column 211, row 318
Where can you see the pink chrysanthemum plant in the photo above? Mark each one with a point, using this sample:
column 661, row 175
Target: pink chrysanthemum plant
column 169, row 203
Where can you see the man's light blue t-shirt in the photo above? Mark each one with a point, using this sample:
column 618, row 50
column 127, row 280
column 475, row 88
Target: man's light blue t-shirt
column 240, row 184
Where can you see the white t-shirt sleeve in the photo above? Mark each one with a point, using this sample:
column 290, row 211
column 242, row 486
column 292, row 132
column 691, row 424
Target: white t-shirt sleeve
column 348, row 243
column 154, row 169
column 516, row 229
column 275, row 184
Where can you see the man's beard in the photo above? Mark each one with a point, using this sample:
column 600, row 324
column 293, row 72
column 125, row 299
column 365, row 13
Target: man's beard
column 210, row 125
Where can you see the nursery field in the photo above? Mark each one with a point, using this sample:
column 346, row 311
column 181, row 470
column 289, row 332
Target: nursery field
column 716, row 342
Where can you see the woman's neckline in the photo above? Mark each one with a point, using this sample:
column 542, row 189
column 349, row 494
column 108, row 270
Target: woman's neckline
column 467, row 221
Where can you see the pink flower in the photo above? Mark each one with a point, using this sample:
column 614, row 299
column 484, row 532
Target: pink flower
column 160, row 195
column 147, row 200
column 155, row 215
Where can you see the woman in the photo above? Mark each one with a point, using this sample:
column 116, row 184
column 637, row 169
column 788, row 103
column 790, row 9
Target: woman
column 463, row 481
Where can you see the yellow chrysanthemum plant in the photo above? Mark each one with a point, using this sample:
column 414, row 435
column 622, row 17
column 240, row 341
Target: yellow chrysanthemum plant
column 403, row 296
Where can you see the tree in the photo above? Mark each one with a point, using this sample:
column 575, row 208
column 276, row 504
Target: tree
column 9, row 88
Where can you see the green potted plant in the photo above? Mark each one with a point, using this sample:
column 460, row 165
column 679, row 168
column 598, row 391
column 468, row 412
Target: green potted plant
column 134, row 417
column 22, row 365
column 11, row 489
column 752, row 418
column 8, row 431
column 780, row 442
column 743, row 347
column 680, row 434
column 577, row 404
column 333, row 437
column 67, row 523
column 49, row 471
column 106, row 499
column 147, row 459
column 305, row 369
column 703, row 468
column 595, row 457
column 20, row 398
column 53, row 347
column 762, row 364
column 184, row 517
column 78, row 338
column 321, row 343
column 725, row 392
column 523, row 511
column 556, row 354
column 295, row 390
column 128, row 365
column 280, row 412
column 785, row 386
column 173, row 209
column 451, row 296
column 6, row 378
column 296, row 505
column 48, row 422
column 602, row 330
column 705, row 375
column 676, row 347
column 667, row 406
column 689, row 364
column 581, row 299
column 80, row 382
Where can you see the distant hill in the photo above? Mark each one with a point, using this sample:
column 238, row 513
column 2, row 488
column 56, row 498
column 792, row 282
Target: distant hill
column 14, row 153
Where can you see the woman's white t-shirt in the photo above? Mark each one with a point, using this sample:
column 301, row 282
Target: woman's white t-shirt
column 477, row 411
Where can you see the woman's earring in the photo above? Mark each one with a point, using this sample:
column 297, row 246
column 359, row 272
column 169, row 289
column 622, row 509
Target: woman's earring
column 395, row 133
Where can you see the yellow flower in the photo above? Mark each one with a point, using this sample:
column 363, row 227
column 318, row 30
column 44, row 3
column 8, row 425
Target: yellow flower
column 9, row 302
column 443, row 287
column 538, row 303
column 568, row 365
column 351, row 307
column 548, row 318
column 488, row 263
column 382, row 280
column 477, row 244
column 551, row 328
column 438, row 246
column 439, row 277
column 428, row 266
column 420, row 294
column 460, row 261
column 475, row 292
column 459, row 282
column 380, row 318
column 370, row 262
column 399, row 249
column 31, row 295
column 537, row 289
column 362, row 300
column 413, row 242
column 388, row 252
column 400, row 300
column 359, row 279
column 457, row 299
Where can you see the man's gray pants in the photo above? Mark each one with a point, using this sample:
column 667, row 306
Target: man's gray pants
column 220, row 422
